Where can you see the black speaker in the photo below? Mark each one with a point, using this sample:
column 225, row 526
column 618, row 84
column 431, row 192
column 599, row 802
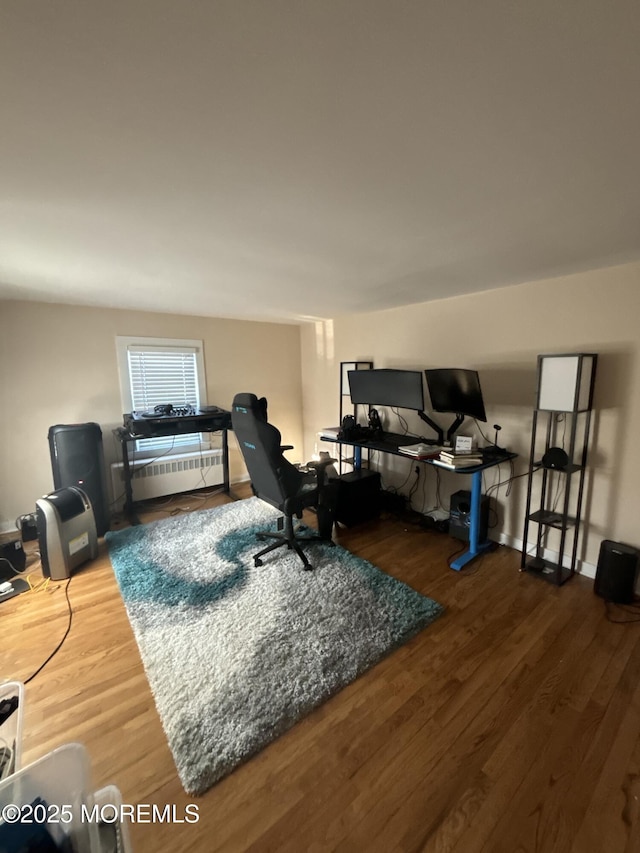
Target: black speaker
column 555, row 457
column 460, row 516
column 77, row 459
column 348, row 428
column 617, row 572
column 358, row 497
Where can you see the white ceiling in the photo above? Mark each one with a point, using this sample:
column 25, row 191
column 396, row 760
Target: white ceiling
column 283, row 159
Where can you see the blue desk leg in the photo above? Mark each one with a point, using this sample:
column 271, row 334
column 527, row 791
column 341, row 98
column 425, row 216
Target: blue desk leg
column 475, row 547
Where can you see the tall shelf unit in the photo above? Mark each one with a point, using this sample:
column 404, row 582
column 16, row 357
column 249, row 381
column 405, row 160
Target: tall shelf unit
column 557, row 464
column 346, row 406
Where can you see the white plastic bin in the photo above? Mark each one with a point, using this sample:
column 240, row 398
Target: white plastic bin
column 52, row 797
column 11, row 715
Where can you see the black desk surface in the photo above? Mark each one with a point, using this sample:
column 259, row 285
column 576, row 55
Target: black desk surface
column 489, row 460
column 389, row 443
column 393, row 441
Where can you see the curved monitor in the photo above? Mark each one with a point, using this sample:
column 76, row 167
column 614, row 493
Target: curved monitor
column 387, row 387
column 456, row 391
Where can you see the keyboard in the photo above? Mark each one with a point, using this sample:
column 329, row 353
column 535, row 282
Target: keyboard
column 396, row 439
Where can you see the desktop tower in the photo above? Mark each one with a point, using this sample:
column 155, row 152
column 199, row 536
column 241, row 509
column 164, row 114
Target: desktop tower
column 460, row 516
column 358, row 497
column 77, row 459
column 616, row 572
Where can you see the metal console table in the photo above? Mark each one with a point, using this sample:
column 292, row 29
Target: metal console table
column 136, row 429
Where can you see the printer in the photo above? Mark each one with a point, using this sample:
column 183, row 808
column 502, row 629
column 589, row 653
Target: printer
column 66, row 531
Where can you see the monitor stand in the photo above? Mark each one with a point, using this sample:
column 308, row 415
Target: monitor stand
column 455, row 426
column 435, row 427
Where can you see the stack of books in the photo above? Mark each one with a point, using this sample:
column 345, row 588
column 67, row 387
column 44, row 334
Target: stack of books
column 420, row 450
column 460, row 459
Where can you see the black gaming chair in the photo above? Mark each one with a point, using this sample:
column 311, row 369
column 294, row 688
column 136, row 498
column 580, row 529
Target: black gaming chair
column 279, row 483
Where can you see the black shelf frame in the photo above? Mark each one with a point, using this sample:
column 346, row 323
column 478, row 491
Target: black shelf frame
column 571, row 468
column 552, row 519
column 548, row 570
column 548, row 516
column 349, row 408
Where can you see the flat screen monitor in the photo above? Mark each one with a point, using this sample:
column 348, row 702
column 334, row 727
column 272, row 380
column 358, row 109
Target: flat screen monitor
column 456, row 391
column 387, row 387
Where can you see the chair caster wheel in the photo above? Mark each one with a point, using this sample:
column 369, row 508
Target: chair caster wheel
column 308, row 568
column 257, row 561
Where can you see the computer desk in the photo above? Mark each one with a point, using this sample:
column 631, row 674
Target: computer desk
column 391, row 442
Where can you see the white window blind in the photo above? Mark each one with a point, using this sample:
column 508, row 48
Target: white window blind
column 163, row 376
column 159, row 375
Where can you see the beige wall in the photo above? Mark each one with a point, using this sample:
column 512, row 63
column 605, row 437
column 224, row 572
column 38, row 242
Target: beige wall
column 58, row 366
column 500, row 333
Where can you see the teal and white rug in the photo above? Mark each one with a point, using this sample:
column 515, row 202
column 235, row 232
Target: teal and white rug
column 234, row 654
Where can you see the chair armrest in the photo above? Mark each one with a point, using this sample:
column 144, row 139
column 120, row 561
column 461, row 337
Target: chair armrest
column 284, row 447
column 318, row 467
column 322, row 464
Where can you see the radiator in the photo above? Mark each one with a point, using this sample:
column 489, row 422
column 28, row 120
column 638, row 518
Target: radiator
column 169, row 475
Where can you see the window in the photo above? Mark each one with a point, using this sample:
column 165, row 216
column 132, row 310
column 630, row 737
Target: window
column 156, row 371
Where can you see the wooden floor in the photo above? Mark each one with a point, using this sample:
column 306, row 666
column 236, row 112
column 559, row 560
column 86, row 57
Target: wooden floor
column 511, row 724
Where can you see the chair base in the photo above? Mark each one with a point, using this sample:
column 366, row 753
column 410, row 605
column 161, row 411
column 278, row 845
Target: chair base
column 292, row 541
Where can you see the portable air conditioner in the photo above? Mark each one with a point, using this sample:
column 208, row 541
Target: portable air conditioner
column 66, row 531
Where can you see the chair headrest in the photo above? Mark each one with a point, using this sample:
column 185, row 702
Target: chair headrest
column 245, row 403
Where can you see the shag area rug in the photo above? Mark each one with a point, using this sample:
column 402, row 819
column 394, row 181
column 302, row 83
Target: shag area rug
column 234, row 654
